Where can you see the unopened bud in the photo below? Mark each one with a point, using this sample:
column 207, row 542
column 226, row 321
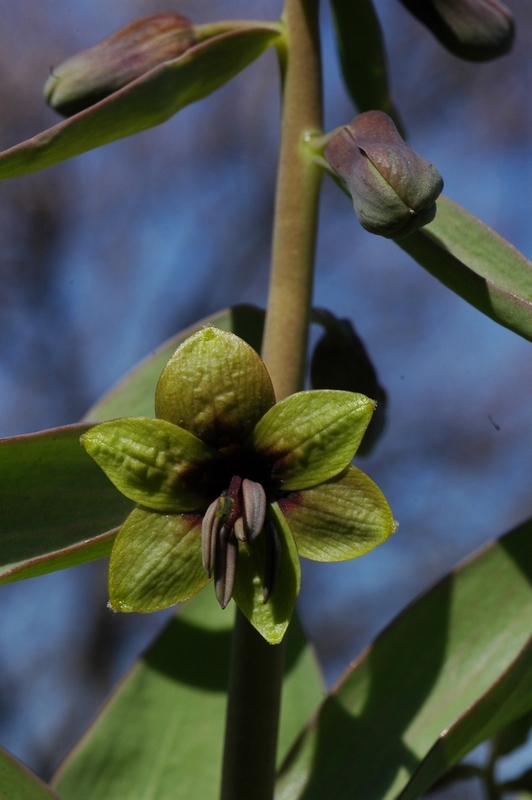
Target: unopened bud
column 476, row 30
column 94, row 74
column 393, row 188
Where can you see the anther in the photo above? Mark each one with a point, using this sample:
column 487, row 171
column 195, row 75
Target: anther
column 214, row 518
column 254, row 508
column 209, row 528
column 225, row 566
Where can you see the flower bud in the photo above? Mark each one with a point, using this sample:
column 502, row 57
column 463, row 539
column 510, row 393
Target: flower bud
column 476, row 30
column 393, row 188
column 93, row 74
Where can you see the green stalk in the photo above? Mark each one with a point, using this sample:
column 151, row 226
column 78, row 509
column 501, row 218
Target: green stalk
column 255, row 680
column 256, row 668
column 296, row 208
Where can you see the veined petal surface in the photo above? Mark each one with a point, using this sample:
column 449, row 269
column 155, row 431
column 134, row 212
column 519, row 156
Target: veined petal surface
column 270, row 619
column 312, row 436
column 338, row 520
column 152, row 461
column 216, row 386
column 156, row 561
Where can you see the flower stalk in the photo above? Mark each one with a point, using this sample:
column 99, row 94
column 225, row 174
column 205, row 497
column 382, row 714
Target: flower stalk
column 256, row 669
column 296, row 205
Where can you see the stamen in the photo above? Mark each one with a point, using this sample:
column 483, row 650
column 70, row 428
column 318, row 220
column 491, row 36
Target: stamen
column 215, row 516
column 254, row 508
column 209, row 528
column 225, row 567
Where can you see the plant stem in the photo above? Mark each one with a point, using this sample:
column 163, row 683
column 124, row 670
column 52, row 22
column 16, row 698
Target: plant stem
column 256, row 669
column 296, row 207
column 255, row 679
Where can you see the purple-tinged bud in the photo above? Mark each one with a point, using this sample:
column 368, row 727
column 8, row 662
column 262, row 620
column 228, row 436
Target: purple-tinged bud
column 92, row 75
column 476, row 30
column 393, row 188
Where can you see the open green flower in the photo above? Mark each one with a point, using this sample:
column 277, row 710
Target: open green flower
column 233, row 486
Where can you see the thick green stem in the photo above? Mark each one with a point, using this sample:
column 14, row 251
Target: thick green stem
column 256, row 669
column 296, row 209
column 256, row 673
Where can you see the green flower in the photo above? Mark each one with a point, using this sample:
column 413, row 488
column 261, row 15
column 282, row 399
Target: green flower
column 235, row 487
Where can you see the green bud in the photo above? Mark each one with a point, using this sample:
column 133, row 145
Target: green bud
column 393, row 188
column 476, row 30
column 92, row 75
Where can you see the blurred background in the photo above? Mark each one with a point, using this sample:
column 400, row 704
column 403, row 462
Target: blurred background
column 105, row 256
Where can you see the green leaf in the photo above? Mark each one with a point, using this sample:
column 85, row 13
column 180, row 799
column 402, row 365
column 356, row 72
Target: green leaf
column 512, row 736
column 161, row 734
column 215, row 386
column 150, row 100
column 362, row 56
column 483, row 250
column 443, row 654
column 19, row 783
column 149, row 460
column 134, row 395
column 270, row 619
column 504, row 702
column 156, row 561
column 476, row 263
column 341, row 519
column 57, row 508
column 312, row 436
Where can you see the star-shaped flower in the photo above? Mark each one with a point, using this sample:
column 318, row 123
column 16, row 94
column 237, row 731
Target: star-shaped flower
column 233, row 486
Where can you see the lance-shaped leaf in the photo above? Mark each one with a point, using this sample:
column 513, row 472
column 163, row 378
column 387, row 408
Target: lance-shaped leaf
column 513, row 736
column 147, row 101
column 504, row 702
column 476, row 263
column 164, row 724
column 362, row 56
column 19, row 783
column 57, row 508
column 445, row 653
